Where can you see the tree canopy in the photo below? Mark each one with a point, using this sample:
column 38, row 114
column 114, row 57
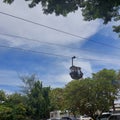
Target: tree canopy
column 79, row 97
column 91, row 94
column 57, row 99
column 107, row 10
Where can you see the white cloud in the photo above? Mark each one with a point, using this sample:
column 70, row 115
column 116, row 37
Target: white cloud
column 54, row 81
column 8, row 77
column 107, row 30
column 73, row 23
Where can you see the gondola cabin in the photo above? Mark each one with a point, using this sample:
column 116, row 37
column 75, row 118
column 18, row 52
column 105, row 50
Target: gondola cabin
column 75, row 72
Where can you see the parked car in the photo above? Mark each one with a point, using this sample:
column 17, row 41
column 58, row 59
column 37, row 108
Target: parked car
column 104, row 116
column 114, row 116
column 84, row 118
column 55, row 119
column 68, row 118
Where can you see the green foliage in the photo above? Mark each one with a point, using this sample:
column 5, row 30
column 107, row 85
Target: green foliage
column 84, row 96
column 16, row 99
column 8, row 1
column 105, row 74
column 57, row 99
column 91, row 94
column 17, row 103
column 13, row 112
column 38, row 103
column 33, row 105
column 116, row 29
column 19, row 112
column 81, row 95
column 106, row 82
column 106, row 10
column 5, row 113
column 2, row 96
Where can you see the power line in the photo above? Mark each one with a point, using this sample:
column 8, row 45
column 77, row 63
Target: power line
column 35, row 40
column 37, row 52
column 46, row 53
column 49, row 43
column 41, row 25
column 58, row 30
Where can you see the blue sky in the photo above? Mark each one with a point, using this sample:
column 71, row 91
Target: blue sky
column 51, row 69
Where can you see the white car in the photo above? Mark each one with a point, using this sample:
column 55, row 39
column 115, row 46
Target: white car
column 114, row 116
column 68, row 118
column 84, row 118
column 104, row 116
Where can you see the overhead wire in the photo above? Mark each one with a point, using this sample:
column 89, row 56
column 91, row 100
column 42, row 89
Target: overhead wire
column 49, row 43
column 48, row 54
column 54, row 30
column 58, row 30
column 35, row 40
column 33, row 51
column 51, row 54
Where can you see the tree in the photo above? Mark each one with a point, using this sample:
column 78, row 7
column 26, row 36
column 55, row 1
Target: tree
column 16, row 98
column 38, row 102
column 2, row 96
column 5, row 113
column 46, row 92
column 91, row 94
column 107, row 87
column 13, row 108
column 107, row 10
column 19, row 112
column 105, row 74
column 33, row 104
column 29, row 82
column 82, row 96
column 57, row 99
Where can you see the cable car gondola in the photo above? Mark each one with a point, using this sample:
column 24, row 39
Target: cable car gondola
column 75, row 72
